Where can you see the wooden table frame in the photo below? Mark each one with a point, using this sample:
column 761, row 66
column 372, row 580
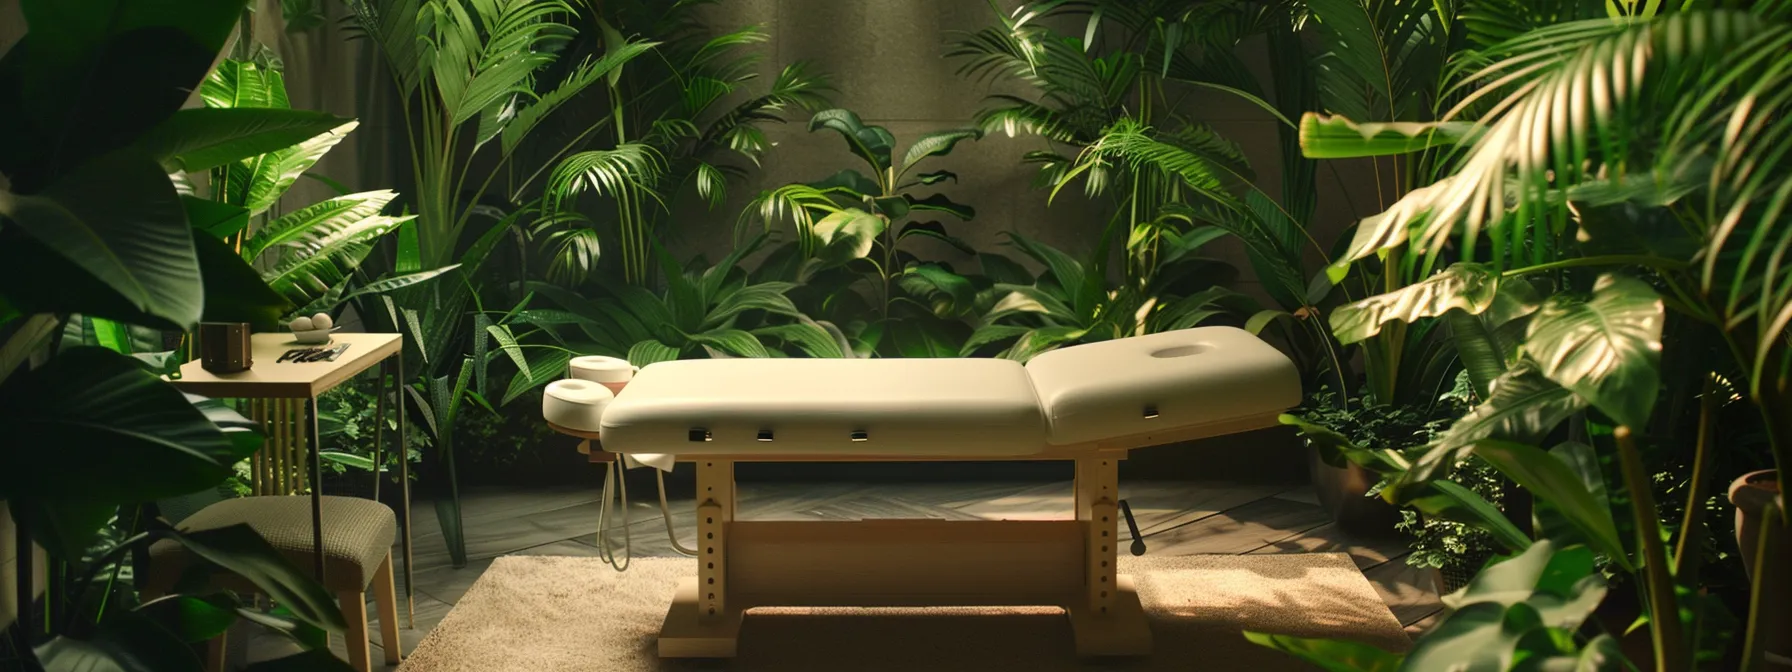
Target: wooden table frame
column 270, row 392
column 1071, row 564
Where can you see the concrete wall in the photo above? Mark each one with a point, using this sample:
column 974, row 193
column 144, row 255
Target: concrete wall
column 886, row 57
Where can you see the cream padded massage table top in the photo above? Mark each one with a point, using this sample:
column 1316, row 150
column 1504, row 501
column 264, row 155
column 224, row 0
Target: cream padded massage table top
column 951, row 407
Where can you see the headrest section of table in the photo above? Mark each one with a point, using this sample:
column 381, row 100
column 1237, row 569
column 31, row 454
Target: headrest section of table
column 1160, row 383
column 898, row 407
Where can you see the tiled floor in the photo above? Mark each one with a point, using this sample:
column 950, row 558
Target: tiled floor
column 1175, row 517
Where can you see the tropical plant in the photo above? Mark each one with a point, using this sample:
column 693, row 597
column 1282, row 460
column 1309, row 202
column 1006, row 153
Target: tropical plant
column 92, row 225
column 1646, row 146
column 850, row 229
column 672, row 132
column 1071, row 301
column 310, row 255
column 716, row 311
column 1109, row 103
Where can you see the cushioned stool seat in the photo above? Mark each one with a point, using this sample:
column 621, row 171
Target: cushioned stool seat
column 357, row 550
column 358, row 534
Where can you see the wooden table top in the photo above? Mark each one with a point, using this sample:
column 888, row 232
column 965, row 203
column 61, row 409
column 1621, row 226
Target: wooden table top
column 269, row 379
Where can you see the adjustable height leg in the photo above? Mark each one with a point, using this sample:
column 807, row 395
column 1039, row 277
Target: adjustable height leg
column 1109, row 620
column 701, row 623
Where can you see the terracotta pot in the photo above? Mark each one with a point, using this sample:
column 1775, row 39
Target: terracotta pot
column 1752, row 493
column 1343, row 491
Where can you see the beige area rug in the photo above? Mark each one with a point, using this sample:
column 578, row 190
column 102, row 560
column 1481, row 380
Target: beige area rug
column 558, row 613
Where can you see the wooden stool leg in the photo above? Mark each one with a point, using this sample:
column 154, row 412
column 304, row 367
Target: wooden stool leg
column 354, row 611
column 385, row 596
column 217, row 651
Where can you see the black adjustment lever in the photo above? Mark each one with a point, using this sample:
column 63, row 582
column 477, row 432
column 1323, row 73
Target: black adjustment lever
column 1138, row 542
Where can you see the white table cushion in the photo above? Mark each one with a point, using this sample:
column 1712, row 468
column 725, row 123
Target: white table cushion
column 1189, row 377
column 945, row 407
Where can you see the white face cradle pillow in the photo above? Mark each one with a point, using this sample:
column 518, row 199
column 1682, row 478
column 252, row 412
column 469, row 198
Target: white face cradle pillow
column 610, row 372
column 576, row 404
column 952, row 407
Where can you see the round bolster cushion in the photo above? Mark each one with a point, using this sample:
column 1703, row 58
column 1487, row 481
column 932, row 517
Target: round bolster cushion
column 613, row 373
column 576, row 404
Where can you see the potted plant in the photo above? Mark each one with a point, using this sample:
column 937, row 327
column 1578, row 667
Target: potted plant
column 1454, row 551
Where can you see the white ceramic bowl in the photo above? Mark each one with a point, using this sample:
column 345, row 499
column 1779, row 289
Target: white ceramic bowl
column 313, row 336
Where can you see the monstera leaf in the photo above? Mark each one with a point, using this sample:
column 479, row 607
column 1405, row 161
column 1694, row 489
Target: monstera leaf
column 1466, row 287
column 1606, row 349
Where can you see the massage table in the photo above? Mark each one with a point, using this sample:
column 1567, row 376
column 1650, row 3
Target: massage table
column 1087, row 404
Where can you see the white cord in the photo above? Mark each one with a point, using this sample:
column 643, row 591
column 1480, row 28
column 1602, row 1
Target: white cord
column 613, row 475
column 666, row 513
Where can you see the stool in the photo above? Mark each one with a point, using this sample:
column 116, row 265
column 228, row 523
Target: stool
column 358, row 538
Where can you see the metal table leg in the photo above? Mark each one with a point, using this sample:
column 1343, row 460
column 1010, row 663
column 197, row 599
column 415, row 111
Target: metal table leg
column 313, row 445
column 404, row 489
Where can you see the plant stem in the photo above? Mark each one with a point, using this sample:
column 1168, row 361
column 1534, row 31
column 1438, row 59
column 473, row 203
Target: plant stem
column 1658, row 581
column 1686, row 568
column 1773, row 536
column 1608, row 260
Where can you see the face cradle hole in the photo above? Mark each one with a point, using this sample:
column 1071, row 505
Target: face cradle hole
column 1175, row 351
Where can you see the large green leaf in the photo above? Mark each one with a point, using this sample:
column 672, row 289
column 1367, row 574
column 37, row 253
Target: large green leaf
column 91, row 76
column 1488, row 344
column 125, row 642
column 218, row 220
column 259, row 182
column 544, row 366
column 649, row 352
column 204, row 138
column 1332, row 655
column 871, row 143
column 1524, row 407
column 1332, row 137
column 731, row 341
column 1549, row 478
column 938, row 143
column 808, row 336
column 234, row 291
column 1606, row 349
column 1450, row 501
column 193, row 618
column 1560, row 582
column 237, row 83
column 92, row 424
column 769, row 296
column 119, row 219
column 1467, row 287
column 589, row 72
column 325, row 255
column 847, row 235
column 941, row 203
column 237, row 549
column 315, row 219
